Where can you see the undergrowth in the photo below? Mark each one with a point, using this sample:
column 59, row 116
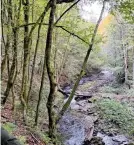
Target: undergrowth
column 10, row 127
column 117, row 114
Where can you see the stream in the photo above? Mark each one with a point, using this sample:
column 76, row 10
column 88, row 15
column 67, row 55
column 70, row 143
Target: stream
column 77, row 124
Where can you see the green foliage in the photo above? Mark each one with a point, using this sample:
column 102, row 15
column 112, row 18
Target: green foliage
column 117, row 114
column 116, row 89
column 126, row 7
column 10, row 127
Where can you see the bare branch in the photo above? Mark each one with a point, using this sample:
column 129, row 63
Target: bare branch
column 62, row 27
column 66, row 11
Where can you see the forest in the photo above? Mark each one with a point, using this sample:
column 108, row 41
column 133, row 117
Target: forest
column 67, row 72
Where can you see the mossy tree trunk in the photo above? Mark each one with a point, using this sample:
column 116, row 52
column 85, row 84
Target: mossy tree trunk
column 51, row 71
column 44, row 66
column 66, row 105
column 26, row 48
column 34, row 60
column 12, row 75
column 12, row 70
column 5, row 19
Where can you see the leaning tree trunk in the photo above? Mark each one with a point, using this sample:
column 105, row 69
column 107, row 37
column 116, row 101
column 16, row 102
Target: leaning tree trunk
column 66, row 105
column 44, row 66
column 34, row 60
column 41, row 18
column 51, row 71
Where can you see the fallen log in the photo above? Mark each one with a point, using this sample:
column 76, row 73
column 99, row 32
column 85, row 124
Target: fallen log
column 80, row 97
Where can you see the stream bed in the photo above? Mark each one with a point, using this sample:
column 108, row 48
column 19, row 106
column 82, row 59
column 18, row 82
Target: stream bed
column 77, row 124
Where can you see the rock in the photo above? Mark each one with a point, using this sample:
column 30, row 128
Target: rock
column 120, row 138
column 88, row 126
column 113, row 140
column 106, row 139
column 75, row 107
column 94, row 141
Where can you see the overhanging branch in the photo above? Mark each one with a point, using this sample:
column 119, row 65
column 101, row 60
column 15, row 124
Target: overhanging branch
column 73, row 34
column 61, row 27
column 66, row 11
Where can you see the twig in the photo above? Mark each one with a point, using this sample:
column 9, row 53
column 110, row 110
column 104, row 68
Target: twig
column 4, row 117
column 34, row 137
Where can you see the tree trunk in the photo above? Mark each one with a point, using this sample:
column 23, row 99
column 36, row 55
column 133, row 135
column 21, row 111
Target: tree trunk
column 66, row 105
column 51, row 71
column 26, row 58
column 126, row 63
column 44, row 69
column 12, row 70
column 34, row 60
column 5, row 61
column 133, row 67
column 12, row 75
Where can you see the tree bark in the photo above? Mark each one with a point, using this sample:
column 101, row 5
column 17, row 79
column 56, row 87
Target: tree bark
column 26, row 48
column 5, row 61
column 12, row 70
column 51, row 71
column 34, row 60
column 43, row 73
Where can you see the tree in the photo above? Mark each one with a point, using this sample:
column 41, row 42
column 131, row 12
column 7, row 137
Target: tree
column 66, row 105
column 12, row 76
column 50, row 71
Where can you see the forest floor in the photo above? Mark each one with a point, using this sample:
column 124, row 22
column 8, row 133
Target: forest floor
column 15, row 126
